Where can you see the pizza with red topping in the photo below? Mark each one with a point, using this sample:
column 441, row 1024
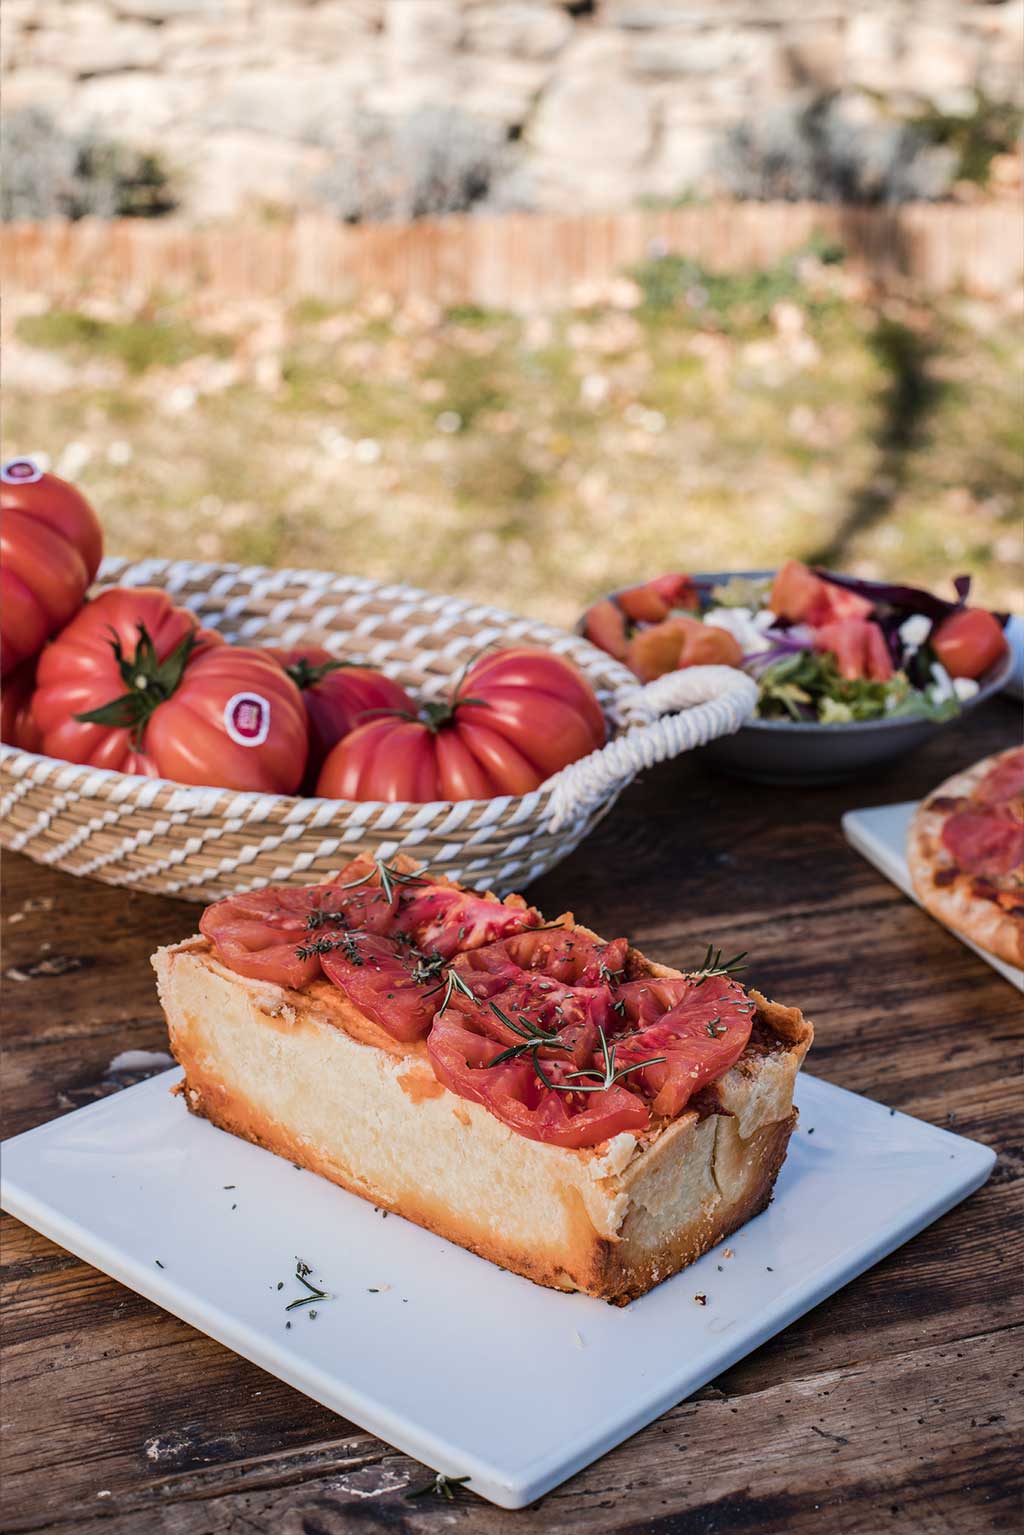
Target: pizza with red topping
column 965, row 851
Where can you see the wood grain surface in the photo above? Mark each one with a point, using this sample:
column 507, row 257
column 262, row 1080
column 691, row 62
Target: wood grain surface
column 894, row 1406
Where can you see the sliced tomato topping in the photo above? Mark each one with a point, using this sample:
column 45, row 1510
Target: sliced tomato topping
column 257, row 933
column 1004, row 781
column 461, row 1050
column 450, row 921
column 579, row 1053
column 985, row 842
column 386, row 980
column 557, row 982
column 700, row 1027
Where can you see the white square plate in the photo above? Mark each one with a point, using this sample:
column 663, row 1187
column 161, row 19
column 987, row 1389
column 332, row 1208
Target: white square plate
column 470, row 1369
column 880, row 835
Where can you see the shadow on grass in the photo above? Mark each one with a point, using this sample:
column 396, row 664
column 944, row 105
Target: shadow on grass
column 910, row 397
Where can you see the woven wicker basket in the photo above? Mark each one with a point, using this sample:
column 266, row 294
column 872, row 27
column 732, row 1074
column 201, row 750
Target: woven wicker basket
column 198, row 844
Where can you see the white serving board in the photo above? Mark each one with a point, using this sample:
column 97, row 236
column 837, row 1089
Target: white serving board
column 470, row 1369
column 880, row 835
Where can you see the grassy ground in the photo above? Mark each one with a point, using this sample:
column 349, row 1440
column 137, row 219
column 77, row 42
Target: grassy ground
column 684, row 423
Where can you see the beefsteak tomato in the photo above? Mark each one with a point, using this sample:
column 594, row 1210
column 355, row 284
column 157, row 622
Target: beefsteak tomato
column 134, row 683
column 50, row 549
column 337, row 698
column 17, row 722
column 517, row 717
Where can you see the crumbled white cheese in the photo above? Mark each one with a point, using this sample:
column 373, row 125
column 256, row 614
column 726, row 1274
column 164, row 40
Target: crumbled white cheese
column 964, row 688
column 942, row 684
column 915, row 630
column 739, row 622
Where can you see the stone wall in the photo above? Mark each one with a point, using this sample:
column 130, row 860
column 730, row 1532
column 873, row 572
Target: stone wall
column 606, row 100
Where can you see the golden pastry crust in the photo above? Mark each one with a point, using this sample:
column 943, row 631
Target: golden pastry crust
column 306, row 1075
column 945, row 890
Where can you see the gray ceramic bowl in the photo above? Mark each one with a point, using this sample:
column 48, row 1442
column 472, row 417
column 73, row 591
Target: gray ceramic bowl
column 785, row 752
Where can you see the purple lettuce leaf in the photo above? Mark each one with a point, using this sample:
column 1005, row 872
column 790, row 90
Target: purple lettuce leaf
column 903, row 600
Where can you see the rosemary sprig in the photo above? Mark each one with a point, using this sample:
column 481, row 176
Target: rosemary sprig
column 715, row 965
column 606, row 1078
column 301, row 1271
column 452, row 983
column 389, row 876
column 531, row 1036
column 440, row 1485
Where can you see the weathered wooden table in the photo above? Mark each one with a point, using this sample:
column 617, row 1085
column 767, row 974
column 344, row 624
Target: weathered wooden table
column 892, row 1407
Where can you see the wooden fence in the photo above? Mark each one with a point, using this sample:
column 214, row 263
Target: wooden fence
column 521, row 262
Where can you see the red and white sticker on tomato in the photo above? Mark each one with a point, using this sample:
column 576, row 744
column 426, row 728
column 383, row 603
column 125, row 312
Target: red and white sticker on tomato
column 247, row 719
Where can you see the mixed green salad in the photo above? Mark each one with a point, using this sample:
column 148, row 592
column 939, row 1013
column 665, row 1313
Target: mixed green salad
column 825, row 649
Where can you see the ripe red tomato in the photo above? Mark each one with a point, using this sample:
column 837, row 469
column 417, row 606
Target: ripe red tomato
column 517, row 717
column 17, row 722
column 337, row 698
column 50, row 548
column 678, row 591
column 168, row 699
column 858, row 646
column 678, row 642
column 968, row 642
column 654, row 600
column 643, row 604
column 605, row 626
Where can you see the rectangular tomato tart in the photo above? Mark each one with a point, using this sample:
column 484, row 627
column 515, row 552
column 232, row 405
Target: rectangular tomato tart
column 965, row 852
column 553, row 1102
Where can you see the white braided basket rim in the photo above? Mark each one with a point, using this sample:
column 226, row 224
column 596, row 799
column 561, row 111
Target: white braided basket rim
column 711, row 701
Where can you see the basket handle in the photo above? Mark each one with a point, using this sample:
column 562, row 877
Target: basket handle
column 693, row 706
